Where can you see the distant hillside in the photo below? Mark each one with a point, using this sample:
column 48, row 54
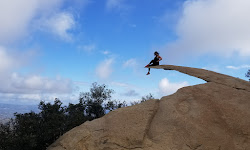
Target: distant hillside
column 7, row 110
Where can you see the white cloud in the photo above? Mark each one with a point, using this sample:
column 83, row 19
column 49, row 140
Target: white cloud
column 6, row 61
column 126, row 91
column 166, row 87
column 21, row 18
column 119, row 6
column 34, row 99
column 130, row 63
column 36, row 84
column 106, row 52
column 60, row 24
column 213, row 26
column 18, row 88
column 104, row 69
column 131, row 93
column 120, row 84
column 16, row 16
column 10, row 59
column 12, row 82
column 125, row 85
column 115, row 4
column 87, row 48
column 238, row 67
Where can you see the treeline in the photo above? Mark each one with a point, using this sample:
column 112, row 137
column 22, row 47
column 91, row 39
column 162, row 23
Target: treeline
column 36, row 131
column 248, row 74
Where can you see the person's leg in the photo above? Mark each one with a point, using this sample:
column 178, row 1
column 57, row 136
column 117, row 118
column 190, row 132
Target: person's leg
column 155, row 63
column 151, row 62
column 148, row 71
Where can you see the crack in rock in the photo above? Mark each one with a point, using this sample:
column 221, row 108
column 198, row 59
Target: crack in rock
column 157, row 103
column 195, row 147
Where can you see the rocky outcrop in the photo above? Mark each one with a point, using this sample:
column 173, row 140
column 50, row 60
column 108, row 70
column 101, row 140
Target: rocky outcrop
column 209, row 76
column 210, row 116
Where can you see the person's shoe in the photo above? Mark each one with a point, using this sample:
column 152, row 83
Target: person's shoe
column 147, row 66
column 148, row 73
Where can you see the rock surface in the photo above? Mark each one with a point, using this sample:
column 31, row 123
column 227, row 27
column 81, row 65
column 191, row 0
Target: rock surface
column 210, row 116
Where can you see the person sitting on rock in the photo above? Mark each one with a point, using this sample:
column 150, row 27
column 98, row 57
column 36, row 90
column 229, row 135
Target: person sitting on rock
column 154, row 62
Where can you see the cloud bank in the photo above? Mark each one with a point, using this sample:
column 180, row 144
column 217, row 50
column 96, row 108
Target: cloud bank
column 131, row 63
column 16, row 17
column 13, row 82
column 218, row 27
column 60, row 24
column 166, row 87
column 15, row 85
column 104, row 69
column 20, row 18
column 238, row 67
column 131, row 93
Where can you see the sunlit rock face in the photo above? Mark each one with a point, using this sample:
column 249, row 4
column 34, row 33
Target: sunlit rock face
column 210, row 116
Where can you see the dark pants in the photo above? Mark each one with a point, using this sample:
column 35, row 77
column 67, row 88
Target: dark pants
column 153, row 63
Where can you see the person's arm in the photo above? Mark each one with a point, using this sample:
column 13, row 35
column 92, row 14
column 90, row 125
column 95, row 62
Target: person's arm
column 159, row 58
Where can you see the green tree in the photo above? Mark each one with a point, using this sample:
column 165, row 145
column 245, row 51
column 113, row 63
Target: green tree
column 147, row 97
column 37, row 131
column 6, row 136
column 75, row 114
column 52, row 122
column 26, row 128
column 143, row 99
column 32, row 130
column 113, row 104
column 248, row 74
column 94, row 100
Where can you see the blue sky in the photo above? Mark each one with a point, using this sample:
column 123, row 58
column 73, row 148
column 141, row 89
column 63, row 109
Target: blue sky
column 57, row 48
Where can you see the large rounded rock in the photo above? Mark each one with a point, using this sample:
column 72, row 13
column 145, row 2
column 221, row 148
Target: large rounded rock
column 210, row 116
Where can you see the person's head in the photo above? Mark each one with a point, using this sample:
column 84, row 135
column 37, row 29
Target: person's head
column 156, row 53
